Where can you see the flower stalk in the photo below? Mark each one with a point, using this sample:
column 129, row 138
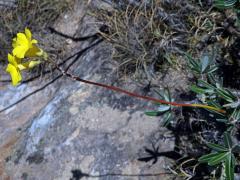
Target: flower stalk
column 148, row 98
column 24, row 46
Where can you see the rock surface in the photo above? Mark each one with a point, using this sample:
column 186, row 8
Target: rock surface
column 7, row 3
column 69, row 127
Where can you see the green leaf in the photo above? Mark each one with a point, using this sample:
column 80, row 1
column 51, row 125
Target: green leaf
column 217, row 147
column 204, row 63
column 167, row 118
column 229, row 167
column 235, row 115
column 219, row 116
column 211, row 78
column 215, row 104
column 163, row 108
column 197, row 89
column 227, row 140
column 226, row 94
column 212, row 69
column 232, row 105
column 208, row 157
column 205, row 84
column 218, row 158
column 222, row 120
column 166, row 95
column 224, row 3
column 152, row 113
column 193, row 64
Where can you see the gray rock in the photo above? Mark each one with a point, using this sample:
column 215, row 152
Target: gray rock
column 7, row 3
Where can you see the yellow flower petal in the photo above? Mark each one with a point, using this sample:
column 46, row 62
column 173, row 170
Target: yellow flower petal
column 21, row 45
column 34, row 41
column 15, row 74
column 12, row 60
column 25, row 46
column 28, row 65
column 34, row 51
column 40, row 52
column 28, row 33
column 45, row 56
column 20, row 51
column 14, row 43
column 33, row 64
column 22, row 39
column 21, row 67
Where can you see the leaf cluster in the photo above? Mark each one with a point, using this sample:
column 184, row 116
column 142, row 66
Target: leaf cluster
column 209, row 90
column 223, row 4
column 204, row 65
column 164, row 110
column 223, row 154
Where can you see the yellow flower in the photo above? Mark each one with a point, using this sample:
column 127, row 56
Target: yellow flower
column 15, row 67
column 24, row 49
column 25, row 46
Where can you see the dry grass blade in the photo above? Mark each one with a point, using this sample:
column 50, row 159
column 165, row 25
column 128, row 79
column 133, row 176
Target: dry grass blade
column 143, row 34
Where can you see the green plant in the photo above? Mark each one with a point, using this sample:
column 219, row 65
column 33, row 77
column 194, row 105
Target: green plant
column 226, row 3
column 229, row 4
column 218, row 96
column 223, row 154
column 209, row 89
column 165, row 110
column 204, row 65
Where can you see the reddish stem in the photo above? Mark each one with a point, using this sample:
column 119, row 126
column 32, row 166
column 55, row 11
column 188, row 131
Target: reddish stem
column 138, row 95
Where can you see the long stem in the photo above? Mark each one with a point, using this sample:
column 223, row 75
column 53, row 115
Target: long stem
column 117, row 89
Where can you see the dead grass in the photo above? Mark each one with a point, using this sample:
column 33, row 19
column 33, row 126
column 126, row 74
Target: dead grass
column 146, row 35
column 212, row 28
